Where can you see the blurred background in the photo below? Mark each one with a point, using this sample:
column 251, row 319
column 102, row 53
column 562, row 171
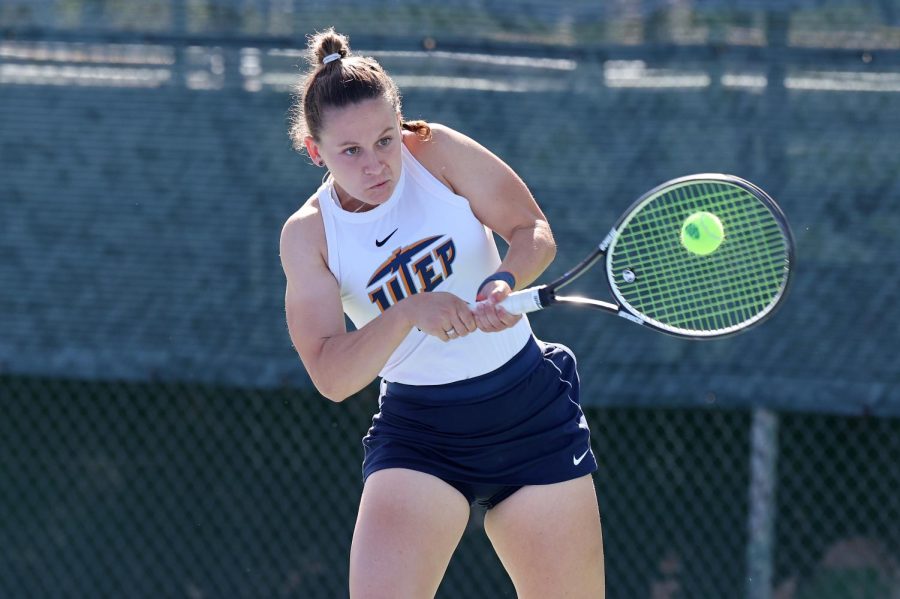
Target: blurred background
column 158, row 435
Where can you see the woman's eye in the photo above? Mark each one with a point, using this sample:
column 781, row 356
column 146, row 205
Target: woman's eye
column 385, row 141
column 351, row 151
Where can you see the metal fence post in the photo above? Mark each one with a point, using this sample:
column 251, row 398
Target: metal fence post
column 761, row 503
column 764, row 434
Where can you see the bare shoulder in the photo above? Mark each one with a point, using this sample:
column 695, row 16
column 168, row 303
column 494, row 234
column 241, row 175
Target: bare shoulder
column 447, row 154
column 444, row 144
column 303, row 236
column 498, row 196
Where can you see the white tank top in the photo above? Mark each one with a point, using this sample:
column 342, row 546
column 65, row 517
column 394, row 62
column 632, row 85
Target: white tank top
column 423, row 238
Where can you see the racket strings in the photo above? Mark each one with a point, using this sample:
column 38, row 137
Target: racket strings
column 701, row 296
column 643, row 248
column 725, row 281
column 736, row 284
column 729, row 301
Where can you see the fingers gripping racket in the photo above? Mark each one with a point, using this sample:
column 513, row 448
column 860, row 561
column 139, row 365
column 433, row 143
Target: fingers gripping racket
column 700, row 256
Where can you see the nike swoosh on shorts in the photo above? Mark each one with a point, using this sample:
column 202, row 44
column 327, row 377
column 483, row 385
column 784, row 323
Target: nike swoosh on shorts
column 578, row 460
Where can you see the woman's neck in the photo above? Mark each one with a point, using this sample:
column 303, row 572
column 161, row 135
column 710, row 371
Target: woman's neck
column 349, row 203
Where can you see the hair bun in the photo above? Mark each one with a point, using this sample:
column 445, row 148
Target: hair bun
column 326, row 43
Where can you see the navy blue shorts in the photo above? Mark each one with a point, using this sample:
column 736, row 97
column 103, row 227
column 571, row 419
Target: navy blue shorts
column 488, row 436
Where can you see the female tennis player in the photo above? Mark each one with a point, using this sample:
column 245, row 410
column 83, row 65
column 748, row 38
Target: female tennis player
column 472, row 408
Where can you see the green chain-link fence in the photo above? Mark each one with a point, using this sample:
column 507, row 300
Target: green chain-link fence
column 175, row 490
column 158, row 437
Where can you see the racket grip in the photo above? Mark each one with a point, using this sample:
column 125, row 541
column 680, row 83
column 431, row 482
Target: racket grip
column 521, row 302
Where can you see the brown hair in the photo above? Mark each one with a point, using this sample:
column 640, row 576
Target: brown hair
column 349, row 80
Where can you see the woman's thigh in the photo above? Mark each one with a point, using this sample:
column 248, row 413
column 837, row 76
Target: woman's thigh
column 549, row 540
column 408, row 526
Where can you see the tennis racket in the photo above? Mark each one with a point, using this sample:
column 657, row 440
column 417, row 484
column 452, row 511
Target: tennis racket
column 700, row 256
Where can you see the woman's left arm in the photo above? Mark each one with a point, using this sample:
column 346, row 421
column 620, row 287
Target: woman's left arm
column 499, row 199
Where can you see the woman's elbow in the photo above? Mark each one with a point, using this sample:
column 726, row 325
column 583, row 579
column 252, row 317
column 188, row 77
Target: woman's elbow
column 550, row 252
column 328, row 385
column 330, row 390
column 336, row 398
column 549, row 247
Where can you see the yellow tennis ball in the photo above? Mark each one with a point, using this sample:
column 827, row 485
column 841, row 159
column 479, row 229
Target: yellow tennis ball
column 702, row 233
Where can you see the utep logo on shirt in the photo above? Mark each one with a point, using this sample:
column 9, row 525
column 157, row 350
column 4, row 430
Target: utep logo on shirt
column 418, row 267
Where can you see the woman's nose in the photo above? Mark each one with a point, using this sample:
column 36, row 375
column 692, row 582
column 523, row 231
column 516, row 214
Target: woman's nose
column 373, row 166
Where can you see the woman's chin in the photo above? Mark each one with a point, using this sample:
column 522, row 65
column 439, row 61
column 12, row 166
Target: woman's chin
column 379, row 194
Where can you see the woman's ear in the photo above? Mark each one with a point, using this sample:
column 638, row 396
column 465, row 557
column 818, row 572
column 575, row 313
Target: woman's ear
column 313, row 150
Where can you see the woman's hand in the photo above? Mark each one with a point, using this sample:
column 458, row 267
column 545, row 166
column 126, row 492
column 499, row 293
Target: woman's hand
column 440, row 314
column 490, row 317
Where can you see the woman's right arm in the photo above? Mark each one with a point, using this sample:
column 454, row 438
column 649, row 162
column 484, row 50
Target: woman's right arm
column 341, row 363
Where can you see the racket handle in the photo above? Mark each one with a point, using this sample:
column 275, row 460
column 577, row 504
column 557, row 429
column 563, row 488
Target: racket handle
column 521, row 302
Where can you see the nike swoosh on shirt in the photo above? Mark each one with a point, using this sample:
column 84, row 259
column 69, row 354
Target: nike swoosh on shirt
column 384, row 241
column 578, row 460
